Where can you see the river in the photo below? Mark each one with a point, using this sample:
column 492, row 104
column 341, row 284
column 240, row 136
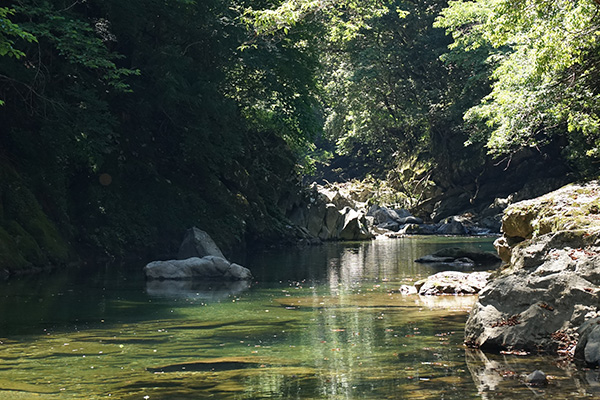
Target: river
column 322, row 322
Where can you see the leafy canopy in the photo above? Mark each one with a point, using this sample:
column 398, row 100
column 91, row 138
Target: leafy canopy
column 545, row 71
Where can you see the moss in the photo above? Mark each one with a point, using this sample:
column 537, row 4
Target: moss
column 22, row 207
column 25, row 244
column 10, row 259
column 573, row 207
column 27, row 236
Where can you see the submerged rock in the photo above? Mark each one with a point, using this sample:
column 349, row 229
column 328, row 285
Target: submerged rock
column 193, row 289
column 536, row 378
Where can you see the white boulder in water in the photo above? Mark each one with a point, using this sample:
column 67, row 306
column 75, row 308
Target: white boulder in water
column 205, row 268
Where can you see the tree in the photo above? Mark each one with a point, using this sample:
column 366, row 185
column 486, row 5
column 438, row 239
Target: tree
column 546, row 75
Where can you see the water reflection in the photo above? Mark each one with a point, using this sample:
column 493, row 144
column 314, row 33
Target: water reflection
column 209, row 291
column 319, row 323
column 497, row 375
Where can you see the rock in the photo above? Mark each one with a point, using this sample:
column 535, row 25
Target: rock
column 452, row 282
column 451, row 205
column 332, row 220
column 416, row 229
column 573, row 207
column 538, row 295
column 551, row 285
column 198, row 243
column 588, row 346
column 434, row 259
column 206, row 268
column 389, row 226
column 330, row 215
column 382, row 215
column 451, row 255
column 407, row 290
column 315, row 218
column 452, row 226
column 409, row 220
column 354, row 226
column 492, row 223
column 385, row 218
column 536, row 378
column 403, row 213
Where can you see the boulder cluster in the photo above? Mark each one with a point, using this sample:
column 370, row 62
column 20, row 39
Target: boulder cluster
column 343, row 213
column 547, row 297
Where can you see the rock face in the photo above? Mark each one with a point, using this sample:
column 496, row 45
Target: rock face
column 551, row 286
column 588, row 346
column 206, row 268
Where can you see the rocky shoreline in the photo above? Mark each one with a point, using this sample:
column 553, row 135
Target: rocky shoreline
column 345, row 212
column 547, row 297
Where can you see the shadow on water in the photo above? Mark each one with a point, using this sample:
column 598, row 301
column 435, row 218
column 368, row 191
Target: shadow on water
column 320, row 322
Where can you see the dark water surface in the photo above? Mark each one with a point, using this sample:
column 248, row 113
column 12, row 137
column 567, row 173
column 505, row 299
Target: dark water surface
column 318, row 323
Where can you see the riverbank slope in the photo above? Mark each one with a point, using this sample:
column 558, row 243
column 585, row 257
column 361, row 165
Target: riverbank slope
column 550, row 285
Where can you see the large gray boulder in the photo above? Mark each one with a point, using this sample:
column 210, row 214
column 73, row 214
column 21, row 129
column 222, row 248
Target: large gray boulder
column 354, row 225
column 205, row 268
column 198, row 243
column 549, row 290
column 551, row 285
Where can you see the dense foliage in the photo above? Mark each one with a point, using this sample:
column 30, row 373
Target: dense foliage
column 132, row 121
column 125, row 122
column 544, row 56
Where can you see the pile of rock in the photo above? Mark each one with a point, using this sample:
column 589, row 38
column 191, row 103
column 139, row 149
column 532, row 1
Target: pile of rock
column 399, row 222
column 337, row 213
column 329, row 215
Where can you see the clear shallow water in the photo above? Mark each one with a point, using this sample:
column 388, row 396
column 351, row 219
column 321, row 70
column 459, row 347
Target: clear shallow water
column 319, row 323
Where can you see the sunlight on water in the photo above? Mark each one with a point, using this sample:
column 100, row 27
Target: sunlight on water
column 318, row 323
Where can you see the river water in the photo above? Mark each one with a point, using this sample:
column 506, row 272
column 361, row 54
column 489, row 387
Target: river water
column 321, row 322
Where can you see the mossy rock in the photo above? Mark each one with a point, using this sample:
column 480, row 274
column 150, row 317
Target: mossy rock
column 10, row 258
column 573, row 207
column 25, row 243
column 27, row 236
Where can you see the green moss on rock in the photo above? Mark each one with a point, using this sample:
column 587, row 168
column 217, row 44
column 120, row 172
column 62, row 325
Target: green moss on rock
column 573, row 207
column 27, row 236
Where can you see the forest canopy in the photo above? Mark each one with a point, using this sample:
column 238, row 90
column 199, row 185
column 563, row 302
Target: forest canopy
column 210, row 112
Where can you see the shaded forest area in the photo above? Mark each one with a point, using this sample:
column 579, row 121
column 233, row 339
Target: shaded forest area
column 126, row 122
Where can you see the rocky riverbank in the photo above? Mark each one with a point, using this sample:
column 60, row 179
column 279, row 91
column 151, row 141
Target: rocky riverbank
column 350, row 212
column 547, row 297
